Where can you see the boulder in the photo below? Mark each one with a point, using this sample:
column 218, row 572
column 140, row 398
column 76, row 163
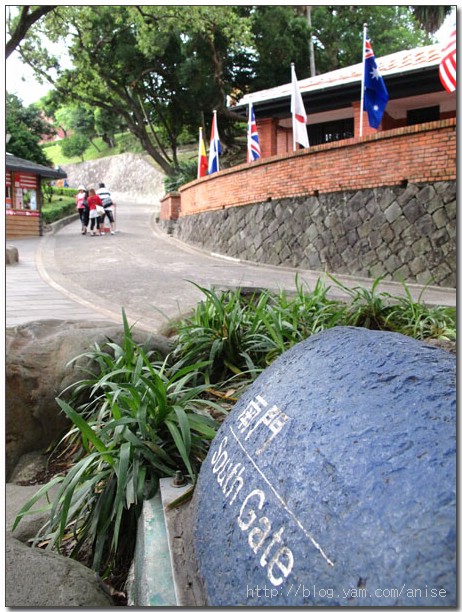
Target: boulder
column 37, row 578
column 38, row 371
column 333, row 480
column 30, row 524
column 11, row 255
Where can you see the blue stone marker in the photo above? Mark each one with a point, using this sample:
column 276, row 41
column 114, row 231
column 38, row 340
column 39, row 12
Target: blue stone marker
column 333, row 480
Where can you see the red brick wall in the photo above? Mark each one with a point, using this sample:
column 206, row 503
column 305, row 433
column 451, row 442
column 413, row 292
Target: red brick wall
column 267, row 137
column 418, row 154
column 170, row 206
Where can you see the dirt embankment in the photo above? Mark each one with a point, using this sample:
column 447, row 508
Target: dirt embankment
column 129, row 176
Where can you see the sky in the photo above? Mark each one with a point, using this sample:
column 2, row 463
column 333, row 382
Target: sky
column 21, row 81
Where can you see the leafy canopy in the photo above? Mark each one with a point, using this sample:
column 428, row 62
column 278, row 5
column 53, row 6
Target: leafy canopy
column 25, row 127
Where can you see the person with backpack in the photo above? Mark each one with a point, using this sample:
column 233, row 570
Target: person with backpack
column 108, row 205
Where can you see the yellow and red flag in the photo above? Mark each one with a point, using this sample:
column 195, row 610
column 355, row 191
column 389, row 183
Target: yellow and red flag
column 202, row 163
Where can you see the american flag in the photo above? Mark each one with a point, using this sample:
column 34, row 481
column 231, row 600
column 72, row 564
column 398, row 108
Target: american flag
column 448, row 64
column 253, row 144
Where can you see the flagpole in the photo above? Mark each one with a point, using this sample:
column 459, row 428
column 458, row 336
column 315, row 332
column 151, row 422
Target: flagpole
column 199, row 154
column 249, row 158
column 362, row 82
column 214, row 133
column 294, row 142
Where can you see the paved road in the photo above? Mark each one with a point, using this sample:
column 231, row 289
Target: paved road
column 151, row 275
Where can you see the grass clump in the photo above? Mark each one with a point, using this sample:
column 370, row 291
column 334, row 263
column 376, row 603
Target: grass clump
column 372, row 309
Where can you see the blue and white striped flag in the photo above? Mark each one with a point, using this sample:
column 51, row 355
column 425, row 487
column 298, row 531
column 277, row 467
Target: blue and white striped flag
column 215, row 146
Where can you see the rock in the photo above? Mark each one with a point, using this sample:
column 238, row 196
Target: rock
column 30, row 524
column 29, row 466
column 121, row 174
column 333, row 480
column 12, row 255
column 38, row 371
column 37, row 578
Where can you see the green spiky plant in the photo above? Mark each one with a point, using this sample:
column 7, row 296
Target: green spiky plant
column 380, row 310
column 143, row 421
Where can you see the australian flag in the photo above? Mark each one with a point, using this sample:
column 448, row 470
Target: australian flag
column 375, row 92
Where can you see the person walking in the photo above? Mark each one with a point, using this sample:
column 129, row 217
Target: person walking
column 95, row 206
column 86, row 214
column 82, row 207
column 108, row 205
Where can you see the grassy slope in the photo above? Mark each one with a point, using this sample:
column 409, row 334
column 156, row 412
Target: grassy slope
column 124, row 143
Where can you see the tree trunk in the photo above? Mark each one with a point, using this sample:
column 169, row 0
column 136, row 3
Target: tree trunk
column 95, row 145
column 311, row 45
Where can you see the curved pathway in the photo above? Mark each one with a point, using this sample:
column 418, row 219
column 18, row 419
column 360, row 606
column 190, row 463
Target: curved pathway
column 151, row 275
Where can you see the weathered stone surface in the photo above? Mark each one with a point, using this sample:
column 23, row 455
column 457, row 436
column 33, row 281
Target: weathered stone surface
column 11, row 255
column 396, row 216
column 121, row 174
column 30, row 524
column 36, row 578
column 29, row 466
column 333, row 480
column 38, row 370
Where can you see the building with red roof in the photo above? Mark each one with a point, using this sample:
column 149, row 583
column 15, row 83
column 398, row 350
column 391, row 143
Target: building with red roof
column 333, row 100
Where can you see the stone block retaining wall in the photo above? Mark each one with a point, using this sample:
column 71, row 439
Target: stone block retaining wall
column 402, row 232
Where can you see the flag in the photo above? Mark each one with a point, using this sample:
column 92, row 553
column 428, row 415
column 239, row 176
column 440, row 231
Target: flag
column 448, row 64
column 298, row 114
column 253, row 144
column 215, row 146
column 375, row 92
column 202, row 157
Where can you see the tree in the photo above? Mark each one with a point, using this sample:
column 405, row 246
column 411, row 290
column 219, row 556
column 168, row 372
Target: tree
column 137, row 64
column 431, row 18
column 26, row 128
column 106, row 126
column 19, row 26
column 77, row 119
column 338, row 33
column 319, row 39
column 281, row 37
column 75, row 145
